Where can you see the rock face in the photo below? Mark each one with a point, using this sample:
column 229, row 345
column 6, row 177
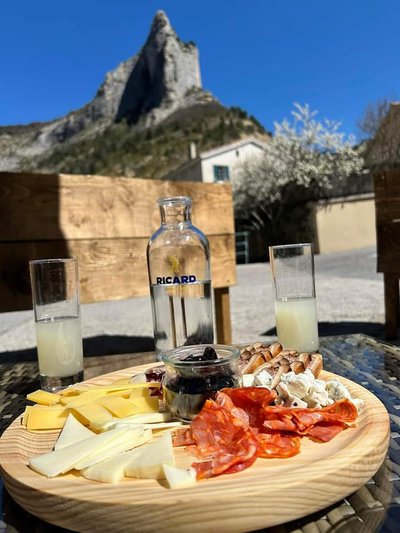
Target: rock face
column 166, row 70
column 163, row 77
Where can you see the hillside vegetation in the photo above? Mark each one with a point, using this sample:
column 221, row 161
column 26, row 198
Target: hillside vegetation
column 152, row 152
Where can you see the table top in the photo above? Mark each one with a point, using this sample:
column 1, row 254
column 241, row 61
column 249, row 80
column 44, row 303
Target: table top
column 373, row 364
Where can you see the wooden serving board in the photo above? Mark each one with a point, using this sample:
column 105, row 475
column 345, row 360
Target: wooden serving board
column 270, row 492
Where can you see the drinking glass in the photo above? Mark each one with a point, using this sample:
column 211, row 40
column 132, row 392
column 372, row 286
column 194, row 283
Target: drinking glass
column 292, row 268
column 55, row 295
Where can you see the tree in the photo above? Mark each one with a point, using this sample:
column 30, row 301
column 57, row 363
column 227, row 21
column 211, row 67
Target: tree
column 299, row 163
column 372, row 118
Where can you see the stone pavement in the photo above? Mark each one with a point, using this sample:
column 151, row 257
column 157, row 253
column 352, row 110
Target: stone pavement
column 349, row 300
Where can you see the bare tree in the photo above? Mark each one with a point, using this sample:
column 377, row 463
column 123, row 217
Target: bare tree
column 372, row 117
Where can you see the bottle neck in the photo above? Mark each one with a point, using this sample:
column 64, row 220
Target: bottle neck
column 176, row 213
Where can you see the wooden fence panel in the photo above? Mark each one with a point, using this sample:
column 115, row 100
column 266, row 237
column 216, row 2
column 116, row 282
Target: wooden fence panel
column 106, row 223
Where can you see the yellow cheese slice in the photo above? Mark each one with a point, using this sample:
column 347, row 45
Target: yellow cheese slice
column 86, row 397
column 120, row 387
column 92, row 415
column 72, row 432
column 43, row 397
column 119, row 407
column 131, row 439
column 25, row 415
column 60, row 461
column 46, row 417
column 149, row 463
column 150, row 404
column 139, row 393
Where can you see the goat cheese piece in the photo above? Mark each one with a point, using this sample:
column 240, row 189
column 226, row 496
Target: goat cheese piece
column 264, row 379
column 298, row 384
column 248, row 380
column 337, row 390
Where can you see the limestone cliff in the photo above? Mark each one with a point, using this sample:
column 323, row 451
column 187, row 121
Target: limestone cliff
column 162, row 78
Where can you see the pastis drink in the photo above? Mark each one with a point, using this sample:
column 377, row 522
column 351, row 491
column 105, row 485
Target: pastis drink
column 296, row 324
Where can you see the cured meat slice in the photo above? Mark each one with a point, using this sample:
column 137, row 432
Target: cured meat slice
column 302, row 420
column 253, row 400
column 277, row 445
column 183, row 437
column 325, row 431
column 224, row 437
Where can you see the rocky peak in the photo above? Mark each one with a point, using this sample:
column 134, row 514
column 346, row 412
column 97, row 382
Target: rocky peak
column 163, row 77
column 165, row 71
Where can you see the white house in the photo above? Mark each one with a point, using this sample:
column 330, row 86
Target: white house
column 218, row 164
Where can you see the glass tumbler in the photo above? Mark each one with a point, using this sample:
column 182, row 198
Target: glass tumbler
column 292, row 268
column 55, row 295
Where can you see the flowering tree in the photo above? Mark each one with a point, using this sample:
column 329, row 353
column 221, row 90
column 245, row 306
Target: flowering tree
column 302, row 160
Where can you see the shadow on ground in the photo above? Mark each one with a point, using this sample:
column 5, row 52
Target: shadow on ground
column 327, row 329
column 100, row 345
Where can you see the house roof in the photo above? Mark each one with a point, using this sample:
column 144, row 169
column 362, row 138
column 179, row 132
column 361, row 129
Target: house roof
column 218, row 151
column 232, row 146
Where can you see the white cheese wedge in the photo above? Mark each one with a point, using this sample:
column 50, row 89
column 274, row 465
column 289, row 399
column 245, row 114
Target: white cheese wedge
column 155, row 426
column 146, row 418
column 132, row 438
column 149, row 463
column 179, row 478
column 111, row 470
column 60, row 461
column 72, row 432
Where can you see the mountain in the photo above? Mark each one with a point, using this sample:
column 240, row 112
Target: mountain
column 140, row 121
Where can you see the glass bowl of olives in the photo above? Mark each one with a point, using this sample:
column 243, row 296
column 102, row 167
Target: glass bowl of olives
column 195, row 373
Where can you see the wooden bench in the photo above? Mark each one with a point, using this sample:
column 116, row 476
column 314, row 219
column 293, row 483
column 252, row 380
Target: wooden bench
column 387, row 208
column 106, row 223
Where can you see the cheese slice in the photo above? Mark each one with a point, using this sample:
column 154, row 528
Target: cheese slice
column 119, row 407
column 24, row 420
column 149, row 463
column 82, row 399
column 131, row 439
column 60, row 461
column 116, row 387
column 112, row 470
column 139, row 393
column 92, row 415
column 46, row 417
column 149, row 404
column 146, row 418
column 179, row 478
column 155, row 427
column 43, row 397
column 72, row 432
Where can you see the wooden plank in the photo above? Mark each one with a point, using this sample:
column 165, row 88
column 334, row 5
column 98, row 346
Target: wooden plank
column 391, row 284
column 52, row 207
column 387, row 184
column 387, row 211
column 388, row 247
column 322, row 473
column 223, row 315
column 110, row 269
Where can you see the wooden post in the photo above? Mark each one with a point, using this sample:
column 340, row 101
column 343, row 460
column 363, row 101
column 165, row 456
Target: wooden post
column 223, row 315
column 391, row 285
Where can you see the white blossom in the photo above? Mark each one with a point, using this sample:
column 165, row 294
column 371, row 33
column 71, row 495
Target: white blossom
column 304, row 153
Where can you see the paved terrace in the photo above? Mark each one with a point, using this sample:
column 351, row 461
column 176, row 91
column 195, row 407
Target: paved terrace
column 349, row 299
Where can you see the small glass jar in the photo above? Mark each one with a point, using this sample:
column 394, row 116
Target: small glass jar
column 188, row 384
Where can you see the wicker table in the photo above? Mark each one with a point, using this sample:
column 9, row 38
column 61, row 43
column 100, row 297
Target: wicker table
column 374, row 365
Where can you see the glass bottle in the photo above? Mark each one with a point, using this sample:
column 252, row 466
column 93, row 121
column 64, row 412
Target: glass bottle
column 178, row 260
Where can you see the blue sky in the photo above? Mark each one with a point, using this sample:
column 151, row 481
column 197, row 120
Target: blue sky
column 259, row 55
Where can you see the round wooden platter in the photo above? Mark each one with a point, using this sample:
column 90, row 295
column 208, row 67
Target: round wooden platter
column 270, row 492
